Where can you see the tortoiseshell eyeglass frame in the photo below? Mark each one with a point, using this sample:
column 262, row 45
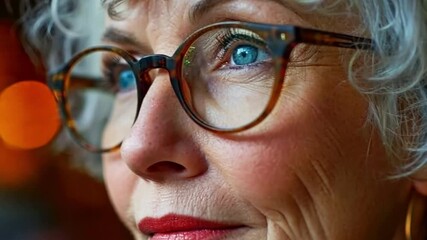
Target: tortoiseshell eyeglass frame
column 280, row 40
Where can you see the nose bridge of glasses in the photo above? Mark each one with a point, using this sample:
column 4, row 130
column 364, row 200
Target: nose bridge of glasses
column 150, row 62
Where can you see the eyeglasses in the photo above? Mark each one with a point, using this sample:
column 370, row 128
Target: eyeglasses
column 227, row 77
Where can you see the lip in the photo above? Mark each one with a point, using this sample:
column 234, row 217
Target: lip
column 174, row 226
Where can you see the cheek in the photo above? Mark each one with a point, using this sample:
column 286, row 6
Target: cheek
column 120, row 119
column 267, row 173
column 306, row 148
column 120, row 182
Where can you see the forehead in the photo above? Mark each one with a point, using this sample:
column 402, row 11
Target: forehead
column 323, row 13
column 179, row 17
column 197, row 8
column 115, row 6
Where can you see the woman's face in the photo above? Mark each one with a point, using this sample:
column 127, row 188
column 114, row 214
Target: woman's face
column 313, row 169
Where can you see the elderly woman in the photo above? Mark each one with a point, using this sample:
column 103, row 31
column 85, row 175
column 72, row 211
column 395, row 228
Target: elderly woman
column 250, row 119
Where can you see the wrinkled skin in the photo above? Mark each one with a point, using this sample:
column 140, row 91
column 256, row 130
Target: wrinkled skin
column 312, row 170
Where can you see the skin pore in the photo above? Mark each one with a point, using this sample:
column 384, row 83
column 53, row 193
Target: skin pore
column 312, row 170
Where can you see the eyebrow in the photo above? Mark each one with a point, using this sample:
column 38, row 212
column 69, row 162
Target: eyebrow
column 124, row 38
column 204, row 6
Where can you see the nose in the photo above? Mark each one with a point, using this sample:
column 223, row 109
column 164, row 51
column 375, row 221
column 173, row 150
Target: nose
column 161, row 145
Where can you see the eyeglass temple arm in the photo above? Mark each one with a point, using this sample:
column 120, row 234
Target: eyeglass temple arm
column 56, row 82
column 317, row 37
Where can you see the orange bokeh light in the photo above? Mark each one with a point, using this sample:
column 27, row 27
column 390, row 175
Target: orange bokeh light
column 28, row 115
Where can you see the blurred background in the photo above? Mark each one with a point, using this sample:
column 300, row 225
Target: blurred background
column 42, row 196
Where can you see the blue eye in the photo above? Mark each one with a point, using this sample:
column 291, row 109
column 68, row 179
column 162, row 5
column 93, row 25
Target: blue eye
column 127, row 80
column 247, row 54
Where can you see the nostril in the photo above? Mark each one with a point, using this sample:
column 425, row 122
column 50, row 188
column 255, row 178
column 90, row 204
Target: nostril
column 166, row 166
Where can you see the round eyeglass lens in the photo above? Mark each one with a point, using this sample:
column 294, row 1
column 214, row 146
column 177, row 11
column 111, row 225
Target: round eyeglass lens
column 228, row 76
column 102, row 99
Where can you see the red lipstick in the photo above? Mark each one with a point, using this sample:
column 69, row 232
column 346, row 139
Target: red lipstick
column 178, row 227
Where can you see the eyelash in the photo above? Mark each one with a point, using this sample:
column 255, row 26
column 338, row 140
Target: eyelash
column 233, row 35
column 226, row 41
column 110, row 65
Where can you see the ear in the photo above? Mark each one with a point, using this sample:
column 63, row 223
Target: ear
column 420, row 182
column 421, row 187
